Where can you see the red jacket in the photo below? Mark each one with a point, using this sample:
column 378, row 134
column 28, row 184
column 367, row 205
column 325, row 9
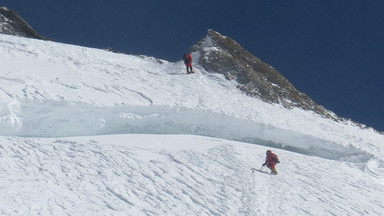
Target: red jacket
column 271, row 158
column 188, row 59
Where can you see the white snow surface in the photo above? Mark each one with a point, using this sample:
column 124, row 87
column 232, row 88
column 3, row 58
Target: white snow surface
column 89, row 132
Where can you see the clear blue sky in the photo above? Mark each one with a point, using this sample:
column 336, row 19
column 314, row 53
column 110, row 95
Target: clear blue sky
column 332, row 50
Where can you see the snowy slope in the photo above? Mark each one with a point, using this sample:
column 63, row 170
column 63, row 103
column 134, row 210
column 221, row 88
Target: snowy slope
column 174, row 175
column 50, row 90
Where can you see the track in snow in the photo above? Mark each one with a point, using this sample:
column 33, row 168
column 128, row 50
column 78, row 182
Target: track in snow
column 173, row 174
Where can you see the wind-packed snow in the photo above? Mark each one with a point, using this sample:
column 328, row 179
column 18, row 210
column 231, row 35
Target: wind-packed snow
column 85, row 131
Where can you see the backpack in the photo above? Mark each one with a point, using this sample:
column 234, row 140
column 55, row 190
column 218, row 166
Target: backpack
column 186, row 60
column 276, row 158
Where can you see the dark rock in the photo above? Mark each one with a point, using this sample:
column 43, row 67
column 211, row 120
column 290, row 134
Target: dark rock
column 109, row 49
column 12, row 24
column 221, row 54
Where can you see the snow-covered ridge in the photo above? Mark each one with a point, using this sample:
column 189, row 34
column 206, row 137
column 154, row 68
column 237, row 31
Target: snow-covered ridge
column 49, row 89
column 53, row 97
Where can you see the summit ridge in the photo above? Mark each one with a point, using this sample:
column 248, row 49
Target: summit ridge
column 221, row 54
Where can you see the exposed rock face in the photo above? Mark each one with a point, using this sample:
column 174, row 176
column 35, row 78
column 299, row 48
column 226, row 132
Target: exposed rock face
column 12, row 24
column 221, row 54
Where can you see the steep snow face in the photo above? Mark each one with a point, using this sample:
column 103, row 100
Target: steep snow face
column 50, row 90
column 43, row 83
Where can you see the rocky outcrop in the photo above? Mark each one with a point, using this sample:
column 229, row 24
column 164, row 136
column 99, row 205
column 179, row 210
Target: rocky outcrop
column 12, row 24
column 221, row 54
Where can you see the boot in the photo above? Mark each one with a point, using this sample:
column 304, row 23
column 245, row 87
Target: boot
column 273, row 171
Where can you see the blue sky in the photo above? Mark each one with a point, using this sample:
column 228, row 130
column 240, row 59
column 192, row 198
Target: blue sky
column 330, row 50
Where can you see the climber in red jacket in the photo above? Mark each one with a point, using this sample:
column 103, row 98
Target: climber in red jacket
column 188, row 62
column 271, row 161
